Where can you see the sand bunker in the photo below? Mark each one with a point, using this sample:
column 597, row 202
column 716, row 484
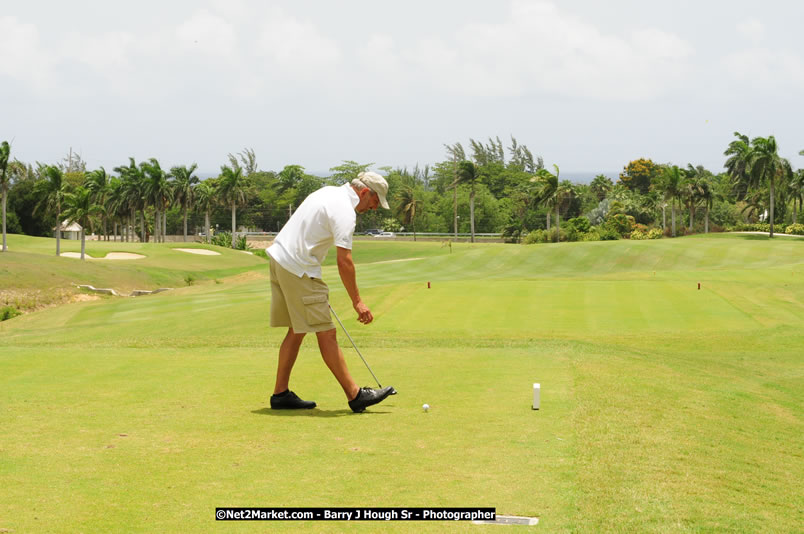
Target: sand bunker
column 109, row 256
column 202, row 251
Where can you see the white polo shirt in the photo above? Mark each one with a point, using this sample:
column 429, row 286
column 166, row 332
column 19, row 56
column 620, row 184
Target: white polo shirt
column 327, row 217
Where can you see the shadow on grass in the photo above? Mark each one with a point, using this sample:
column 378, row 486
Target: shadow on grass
column 315, row 412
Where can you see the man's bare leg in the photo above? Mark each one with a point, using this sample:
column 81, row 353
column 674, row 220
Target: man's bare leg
column 288, row 352
column 333, row 357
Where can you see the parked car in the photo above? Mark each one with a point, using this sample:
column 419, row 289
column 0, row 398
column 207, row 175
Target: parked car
column 372, row 231
column 385, row 234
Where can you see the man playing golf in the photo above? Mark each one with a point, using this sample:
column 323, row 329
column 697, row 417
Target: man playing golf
column 300, row 299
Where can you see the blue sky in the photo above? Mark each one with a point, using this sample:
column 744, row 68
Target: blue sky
column 587, row 85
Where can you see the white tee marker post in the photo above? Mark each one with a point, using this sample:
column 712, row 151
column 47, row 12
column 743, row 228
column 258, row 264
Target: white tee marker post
column 536, row 395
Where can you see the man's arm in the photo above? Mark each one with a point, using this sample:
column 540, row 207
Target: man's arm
column 346, row 268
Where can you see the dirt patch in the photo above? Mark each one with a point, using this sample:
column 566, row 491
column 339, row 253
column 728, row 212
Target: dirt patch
column 260, row 245
column 32, row 300
column 83, row 297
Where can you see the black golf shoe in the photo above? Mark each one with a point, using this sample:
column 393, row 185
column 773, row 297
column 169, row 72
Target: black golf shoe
column 290, row 401
column 369, row 396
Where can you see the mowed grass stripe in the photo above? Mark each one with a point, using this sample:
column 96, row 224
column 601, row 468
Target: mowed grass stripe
column 663, row 407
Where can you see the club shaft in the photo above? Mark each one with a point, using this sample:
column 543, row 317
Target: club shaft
column 355, row 346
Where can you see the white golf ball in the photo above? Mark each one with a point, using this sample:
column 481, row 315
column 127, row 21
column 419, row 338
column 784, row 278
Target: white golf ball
column 425, row 407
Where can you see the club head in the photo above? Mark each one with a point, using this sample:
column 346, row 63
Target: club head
column 393, row 391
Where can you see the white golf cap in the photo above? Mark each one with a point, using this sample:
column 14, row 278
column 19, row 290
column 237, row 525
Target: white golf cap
column 376, row 183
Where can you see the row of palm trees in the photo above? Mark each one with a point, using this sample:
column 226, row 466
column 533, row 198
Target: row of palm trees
column 126, row 199
column 755, row 164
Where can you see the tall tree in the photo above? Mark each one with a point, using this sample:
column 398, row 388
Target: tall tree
column 133, row 196
column 245, row 160
column 767, row 167
column 547, row 193
column 159, row 193
column 205, row 199
column 5, row 152
column 467, row 174
column 407, row 202
column 183, row 188
column 638, row 175
column 52, row 190
column 738, row 155
column 797, row 192
column 348, row 171
column 232, row 188
column 601, row 186
column 97, row 183
column 457, row 154
column 669, row 183
column 708, row 194
column 80, row 207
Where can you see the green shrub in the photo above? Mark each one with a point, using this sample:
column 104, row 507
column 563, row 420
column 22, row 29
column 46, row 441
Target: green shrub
column 535, row 236
column 751, row 227
column 223, row 239
column 261, row 253
column 621, row 223
column 591, row 235
column 241, row 243
column 581, row 224
column 8, row 312
column 189, row 279
column 638, row 235
column 654, row 233
column 797, row 229
column 608, row 234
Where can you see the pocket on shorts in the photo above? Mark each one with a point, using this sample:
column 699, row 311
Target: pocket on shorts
column 316, row 309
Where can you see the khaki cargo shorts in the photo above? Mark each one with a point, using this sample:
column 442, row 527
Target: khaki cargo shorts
column 300, row 303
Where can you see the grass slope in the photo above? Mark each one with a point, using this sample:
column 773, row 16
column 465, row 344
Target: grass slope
column 32, row 276
column 664, row 407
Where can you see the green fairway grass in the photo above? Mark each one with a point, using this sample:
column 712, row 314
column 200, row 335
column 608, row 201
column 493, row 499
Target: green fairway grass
column 665, row 408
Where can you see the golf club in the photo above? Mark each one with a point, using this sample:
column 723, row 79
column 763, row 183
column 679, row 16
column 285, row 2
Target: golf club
column 393, row 391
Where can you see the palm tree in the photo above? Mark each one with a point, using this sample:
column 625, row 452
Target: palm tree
column 601, row 186
column 550, row 193
column 564, row 194
column 97, row 182
column 5, row 152
column 669, row 183
column 113, row 205
column 205, row 194
column 79, row 207
column 708, row 195
column 52, row 190
column 184, row 179
column 406, row 207
column 467, row 174
column 232, row 188
column 691, row 192
column 133, row 196
column 738, row 152
column 797, row 192
column 767, row 167
column 158, row 192
column 457, row 153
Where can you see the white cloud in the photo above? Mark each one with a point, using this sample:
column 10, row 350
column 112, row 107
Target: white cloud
column 752, row 29
column 766, row 69
column 24, row 59
column 208, row 33
column 541, row 48
column 297, row 47
column 105, row 51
